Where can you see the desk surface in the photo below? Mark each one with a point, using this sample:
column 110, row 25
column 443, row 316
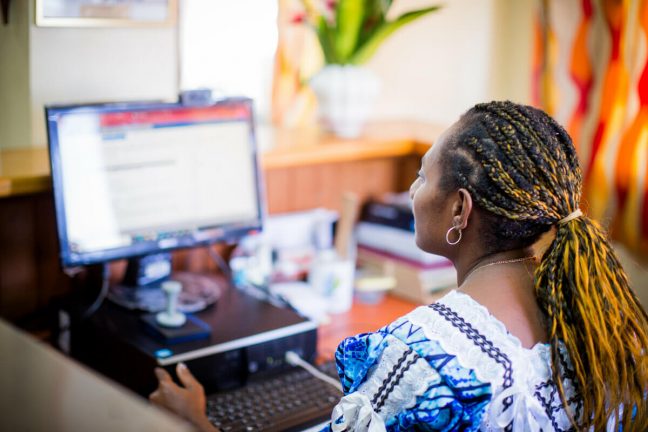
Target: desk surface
column 40, row 389
column 26, row 170
column 360, row 319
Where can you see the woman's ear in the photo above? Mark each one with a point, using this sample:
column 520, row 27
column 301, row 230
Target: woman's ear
column 462, row 208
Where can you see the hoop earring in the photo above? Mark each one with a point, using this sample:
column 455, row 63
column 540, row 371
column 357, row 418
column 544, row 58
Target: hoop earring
column 448, row 236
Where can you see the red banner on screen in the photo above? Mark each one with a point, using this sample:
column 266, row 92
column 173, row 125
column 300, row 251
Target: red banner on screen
column 176, row 115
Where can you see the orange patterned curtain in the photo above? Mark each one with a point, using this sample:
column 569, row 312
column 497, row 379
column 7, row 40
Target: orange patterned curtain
column 591, row 74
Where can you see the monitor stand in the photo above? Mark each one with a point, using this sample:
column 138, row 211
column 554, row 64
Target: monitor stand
column 141, row 286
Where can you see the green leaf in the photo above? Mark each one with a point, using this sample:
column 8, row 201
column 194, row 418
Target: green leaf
column 365, row 51
column 374, row 18
column 349, row 19
column 325, row 36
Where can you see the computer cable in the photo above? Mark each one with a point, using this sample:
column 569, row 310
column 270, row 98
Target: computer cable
column 263, row 292
column 103, row 292
column 220, row 262
column 96, row 304
column 295, row 359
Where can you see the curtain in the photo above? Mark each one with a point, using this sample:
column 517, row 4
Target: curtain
column 591, row 74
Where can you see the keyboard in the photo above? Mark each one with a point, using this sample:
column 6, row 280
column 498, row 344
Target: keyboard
column 291, row 401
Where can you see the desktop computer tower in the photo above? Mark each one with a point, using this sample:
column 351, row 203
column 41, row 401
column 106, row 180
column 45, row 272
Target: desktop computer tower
column 249, row 338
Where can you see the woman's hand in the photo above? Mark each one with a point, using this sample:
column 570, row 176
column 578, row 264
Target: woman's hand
column 187, row 402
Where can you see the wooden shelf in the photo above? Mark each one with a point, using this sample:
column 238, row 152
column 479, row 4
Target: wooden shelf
column 26, row 171
column 292, row 148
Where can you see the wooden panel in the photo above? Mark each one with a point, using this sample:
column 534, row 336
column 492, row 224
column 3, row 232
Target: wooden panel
column 305, row 186
column 322, row 185
column 277, row 190
column 18, row 279
column 49, row 275
column 407, row 170
column 30, row 273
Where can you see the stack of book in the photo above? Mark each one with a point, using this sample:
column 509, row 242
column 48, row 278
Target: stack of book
column 386, row 244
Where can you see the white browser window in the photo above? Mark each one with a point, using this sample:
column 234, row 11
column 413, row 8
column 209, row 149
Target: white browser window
column 146, row 180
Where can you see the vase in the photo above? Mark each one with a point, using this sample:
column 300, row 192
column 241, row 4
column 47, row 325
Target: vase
column 345, row 97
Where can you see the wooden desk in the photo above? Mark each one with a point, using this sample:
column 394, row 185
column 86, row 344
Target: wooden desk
column 48, row 391
column 362, row 318
column 302, row 169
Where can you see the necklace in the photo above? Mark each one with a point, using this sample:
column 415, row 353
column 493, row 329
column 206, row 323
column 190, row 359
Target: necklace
column 508, row 261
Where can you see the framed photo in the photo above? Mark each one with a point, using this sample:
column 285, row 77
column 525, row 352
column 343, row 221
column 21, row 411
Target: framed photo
column 105, row 13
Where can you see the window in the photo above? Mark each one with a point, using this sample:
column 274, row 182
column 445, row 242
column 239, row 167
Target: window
column 229, row 47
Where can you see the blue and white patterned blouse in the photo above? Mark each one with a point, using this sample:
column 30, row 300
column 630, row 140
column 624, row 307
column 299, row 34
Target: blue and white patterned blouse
column 449, row 366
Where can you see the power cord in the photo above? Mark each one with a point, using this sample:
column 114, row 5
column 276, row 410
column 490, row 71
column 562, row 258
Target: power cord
column 220, row 262
column 294, row 359
column 65, row 323
column 105, row 284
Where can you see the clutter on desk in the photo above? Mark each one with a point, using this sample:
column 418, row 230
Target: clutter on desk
column 298, row 247
column 286, row 248
column 198, row 292
column 251, row 261
column 332, row 277
column 332, row 273
column 371, row 288
column 304, row 299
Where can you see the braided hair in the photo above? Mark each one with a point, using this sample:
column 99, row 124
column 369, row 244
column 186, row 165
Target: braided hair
column 523, row 173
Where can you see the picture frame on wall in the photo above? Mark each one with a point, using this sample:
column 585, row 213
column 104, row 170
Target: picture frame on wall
column 105, row 13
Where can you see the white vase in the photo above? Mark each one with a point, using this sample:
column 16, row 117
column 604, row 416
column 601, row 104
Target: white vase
column 345, row 96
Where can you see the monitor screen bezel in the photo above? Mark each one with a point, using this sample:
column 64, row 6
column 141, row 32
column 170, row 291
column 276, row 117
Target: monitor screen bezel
column 223, row 233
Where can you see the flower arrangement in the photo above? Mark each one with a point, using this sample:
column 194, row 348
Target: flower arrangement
column 350, row 31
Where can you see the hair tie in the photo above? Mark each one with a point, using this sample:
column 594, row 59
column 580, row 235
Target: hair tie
column 573, row 215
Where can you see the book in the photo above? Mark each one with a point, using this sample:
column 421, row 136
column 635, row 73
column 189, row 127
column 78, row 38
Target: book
column 414, row 282
column 395, row 242
column 388, row 214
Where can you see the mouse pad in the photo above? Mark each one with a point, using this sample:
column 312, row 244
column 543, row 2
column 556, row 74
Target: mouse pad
column 193, row 329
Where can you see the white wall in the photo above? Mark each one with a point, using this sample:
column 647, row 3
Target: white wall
column 64, row 65
column 15, row 128
column 86, row 65
column 511, row 66
column 433, row 69
column 437, row 67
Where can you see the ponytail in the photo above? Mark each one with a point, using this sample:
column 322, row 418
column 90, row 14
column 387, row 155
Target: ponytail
column 592, row 311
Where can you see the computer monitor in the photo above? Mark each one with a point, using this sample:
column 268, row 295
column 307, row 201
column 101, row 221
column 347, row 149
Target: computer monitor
column 138, row 179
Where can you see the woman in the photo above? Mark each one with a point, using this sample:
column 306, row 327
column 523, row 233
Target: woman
column 525, row 343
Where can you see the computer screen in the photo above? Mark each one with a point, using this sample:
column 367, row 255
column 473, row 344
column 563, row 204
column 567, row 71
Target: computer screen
column 132, row 179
